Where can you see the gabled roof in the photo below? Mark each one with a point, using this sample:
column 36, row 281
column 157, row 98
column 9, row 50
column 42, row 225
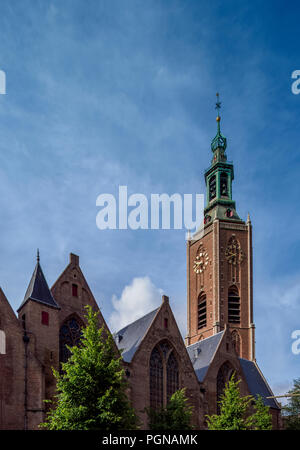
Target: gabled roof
column 202, row 352
column 256, row 383
column 38, row 289
column 129, row 338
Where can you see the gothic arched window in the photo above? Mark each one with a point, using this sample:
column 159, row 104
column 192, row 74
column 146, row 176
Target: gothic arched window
column 202, row 313
column 172, row 376
column 236, row 341
column 234, row 314
column 69, row 335
column 164, row 374
column 224, row 375
column 156, row 379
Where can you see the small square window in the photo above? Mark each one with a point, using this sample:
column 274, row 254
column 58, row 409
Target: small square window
column 45, row 318
column 74, row 290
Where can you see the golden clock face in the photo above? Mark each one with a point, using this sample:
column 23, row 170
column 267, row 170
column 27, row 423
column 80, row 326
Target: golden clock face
column 234, row 254
column 201, row 262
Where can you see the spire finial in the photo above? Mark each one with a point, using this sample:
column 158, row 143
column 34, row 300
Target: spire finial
column 219, row 140
column 38, row 255
column 218, row 107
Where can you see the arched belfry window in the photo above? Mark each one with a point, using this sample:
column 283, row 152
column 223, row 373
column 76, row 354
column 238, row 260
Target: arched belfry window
column 212, row 188
column 224, row 374
column 224, row 184
column 236, row 341
column 69, row 335
column 202, row 311
column 234, row 305
column 164, row 374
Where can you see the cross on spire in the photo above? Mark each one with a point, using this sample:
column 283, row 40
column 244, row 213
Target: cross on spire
column 218, row 103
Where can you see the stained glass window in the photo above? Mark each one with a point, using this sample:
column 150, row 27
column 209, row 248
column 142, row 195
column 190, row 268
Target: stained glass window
column 70, row 334
column 156, row 379
column 172, row 376
column 164, row 374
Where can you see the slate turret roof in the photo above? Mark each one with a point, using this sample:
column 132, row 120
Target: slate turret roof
column 38, row 289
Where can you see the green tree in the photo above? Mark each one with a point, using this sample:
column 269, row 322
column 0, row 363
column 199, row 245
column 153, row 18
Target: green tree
column 291, row 411
column 261, row 419
column 235, row 411
column 91, row 388
column 176, row 416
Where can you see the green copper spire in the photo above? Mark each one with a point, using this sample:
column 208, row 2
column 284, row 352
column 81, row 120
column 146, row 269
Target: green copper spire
column 219, row 141
column 218, row 179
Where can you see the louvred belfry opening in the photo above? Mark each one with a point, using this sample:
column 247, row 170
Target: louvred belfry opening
column 234, row 306
column 202, row 314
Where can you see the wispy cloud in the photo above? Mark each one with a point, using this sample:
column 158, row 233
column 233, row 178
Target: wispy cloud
column 137, row 299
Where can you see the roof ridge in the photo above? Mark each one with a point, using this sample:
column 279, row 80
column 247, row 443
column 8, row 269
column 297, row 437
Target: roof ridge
column 206, row 339
column 140, row 318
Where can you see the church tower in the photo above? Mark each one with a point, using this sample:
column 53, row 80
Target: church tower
column 219, row 261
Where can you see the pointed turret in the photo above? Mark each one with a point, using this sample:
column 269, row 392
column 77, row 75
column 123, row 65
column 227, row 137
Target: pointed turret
column 38, row 290
column 218, row 179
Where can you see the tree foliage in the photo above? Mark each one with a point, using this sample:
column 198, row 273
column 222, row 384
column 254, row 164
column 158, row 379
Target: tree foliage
column 235, row 411
column 176, row 416
column 261, row 419
column 291, row 410
column 91, row 388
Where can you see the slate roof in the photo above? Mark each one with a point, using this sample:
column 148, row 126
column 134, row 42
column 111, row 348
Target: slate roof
column 201, row 353
column 256, row 383
column 130, row 337
column 38, row 289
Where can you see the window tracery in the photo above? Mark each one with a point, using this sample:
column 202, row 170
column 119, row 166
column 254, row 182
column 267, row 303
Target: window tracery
column 69, row 335
column 164, row 374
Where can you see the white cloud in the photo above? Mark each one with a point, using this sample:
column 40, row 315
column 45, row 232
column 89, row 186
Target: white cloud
column 137, row 299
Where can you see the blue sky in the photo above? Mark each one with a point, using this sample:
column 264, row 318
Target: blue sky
column 108, row 93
